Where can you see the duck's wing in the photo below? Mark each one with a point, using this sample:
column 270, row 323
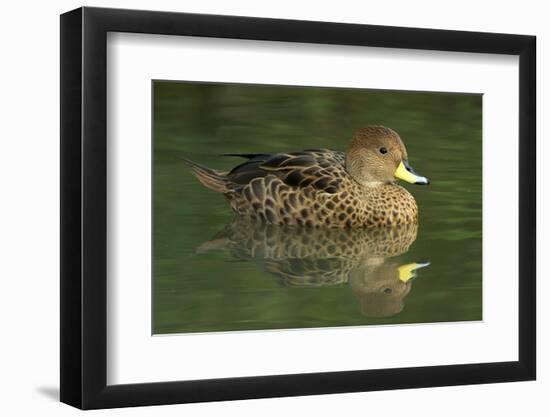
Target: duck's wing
column 322, row 169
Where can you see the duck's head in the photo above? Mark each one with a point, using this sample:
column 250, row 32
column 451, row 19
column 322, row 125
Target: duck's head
column 378, row 156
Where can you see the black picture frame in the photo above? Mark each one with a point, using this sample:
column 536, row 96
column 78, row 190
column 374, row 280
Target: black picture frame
column 84, row 207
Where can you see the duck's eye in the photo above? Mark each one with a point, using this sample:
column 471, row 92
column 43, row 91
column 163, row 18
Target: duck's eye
column 383, row 150
column 387, row 291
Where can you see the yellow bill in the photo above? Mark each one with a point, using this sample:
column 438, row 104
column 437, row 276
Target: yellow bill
column 406, row 173
column 407, row 271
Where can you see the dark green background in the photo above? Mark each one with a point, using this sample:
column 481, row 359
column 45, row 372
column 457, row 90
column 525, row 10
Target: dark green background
column 213, row 292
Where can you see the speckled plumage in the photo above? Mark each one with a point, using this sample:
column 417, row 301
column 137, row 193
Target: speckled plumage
column 315, row 188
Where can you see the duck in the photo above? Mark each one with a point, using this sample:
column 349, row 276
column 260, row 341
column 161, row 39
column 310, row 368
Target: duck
column 320, row 187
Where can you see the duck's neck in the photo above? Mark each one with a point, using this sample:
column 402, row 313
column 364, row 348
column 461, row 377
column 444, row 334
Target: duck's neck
column 358, row 171
column 375, row 184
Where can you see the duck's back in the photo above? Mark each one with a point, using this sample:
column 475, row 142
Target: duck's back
column 321, row 168
column 296, row 188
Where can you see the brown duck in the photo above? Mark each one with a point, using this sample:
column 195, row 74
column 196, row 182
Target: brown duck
column 320, row 187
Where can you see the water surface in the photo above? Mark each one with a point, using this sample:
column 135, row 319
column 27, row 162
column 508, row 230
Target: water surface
column 214, row 273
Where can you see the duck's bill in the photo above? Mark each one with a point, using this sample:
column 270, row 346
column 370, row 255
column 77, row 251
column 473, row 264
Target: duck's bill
column 408, row 271
column 405, row 172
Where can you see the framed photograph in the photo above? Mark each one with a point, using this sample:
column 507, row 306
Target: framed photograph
column 259, row 208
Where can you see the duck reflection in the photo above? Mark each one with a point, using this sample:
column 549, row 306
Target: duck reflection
column 365, row 259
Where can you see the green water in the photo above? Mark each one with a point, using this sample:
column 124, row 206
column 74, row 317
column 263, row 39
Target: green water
column 211, row 273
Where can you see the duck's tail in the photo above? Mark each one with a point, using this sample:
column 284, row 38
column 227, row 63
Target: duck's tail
column 210, row 178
